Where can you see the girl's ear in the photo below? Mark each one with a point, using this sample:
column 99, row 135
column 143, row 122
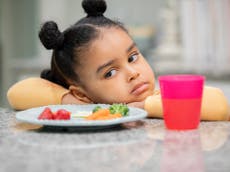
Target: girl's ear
column 79, row 93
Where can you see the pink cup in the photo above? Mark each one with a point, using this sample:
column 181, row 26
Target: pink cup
column 181, row 99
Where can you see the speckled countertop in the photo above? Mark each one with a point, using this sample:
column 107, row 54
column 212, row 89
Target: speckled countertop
column 137, row 146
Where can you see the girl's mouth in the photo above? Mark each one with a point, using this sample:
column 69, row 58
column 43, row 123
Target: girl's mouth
column 139, row 88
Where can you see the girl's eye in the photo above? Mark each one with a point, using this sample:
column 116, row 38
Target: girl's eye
column 110, row 73
column 133, row 58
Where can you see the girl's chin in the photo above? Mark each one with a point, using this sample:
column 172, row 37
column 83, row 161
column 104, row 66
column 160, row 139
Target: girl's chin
column 144, row 96
column 139, row 99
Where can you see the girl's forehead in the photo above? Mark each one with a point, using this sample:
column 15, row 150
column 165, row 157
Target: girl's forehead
column 112, row 32
column 111, row 42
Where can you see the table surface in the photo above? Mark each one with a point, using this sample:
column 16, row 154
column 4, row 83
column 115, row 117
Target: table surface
column 143, row 145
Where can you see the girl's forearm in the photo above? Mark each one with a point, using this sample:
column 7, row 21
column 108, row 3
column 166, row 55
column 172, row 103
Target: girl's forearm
column 214, row 105
column 34, row 92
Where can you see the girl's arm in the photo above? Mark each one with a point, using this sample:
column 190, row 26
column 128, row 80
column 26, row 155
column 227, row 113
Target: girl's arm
column 34, row 92
column 214, row 105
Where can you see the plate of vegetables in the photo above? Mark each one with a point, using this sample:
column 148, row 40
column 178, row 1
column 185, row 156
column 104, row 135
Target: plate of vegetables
column 92, row 115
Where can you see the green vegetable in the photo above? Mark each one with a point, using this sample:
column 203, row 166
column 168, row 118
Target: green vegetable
column 115, row 108
column 96, row 108
column 119, row 108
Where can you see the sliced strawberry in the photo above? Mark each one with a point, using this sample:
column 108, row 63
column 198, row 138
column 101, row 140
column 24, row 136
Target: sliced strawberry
column 46, row 114
column 62, row 114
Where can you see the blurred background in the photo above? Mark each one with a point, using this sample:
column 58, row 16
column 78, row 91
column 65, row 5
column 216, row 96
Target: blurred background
column 175, row 36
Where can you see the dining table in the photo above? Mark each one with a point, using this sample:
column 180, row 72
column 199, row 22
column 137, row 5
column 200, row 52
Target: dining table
column 144, row 145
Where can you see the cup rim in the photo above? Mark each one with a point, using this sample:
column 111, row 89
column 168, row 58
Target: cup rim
column 180, row 77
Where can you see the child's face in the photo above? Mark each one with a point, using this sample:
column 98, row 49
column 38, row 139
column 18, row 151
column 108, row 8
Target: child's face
column 114, row 71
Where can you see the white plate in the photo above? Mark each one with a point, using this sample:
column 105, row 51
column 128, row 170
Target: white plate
column 31, row 116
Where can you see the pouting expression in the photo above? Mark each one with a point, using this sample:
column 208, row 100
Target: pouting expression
column 114, row 71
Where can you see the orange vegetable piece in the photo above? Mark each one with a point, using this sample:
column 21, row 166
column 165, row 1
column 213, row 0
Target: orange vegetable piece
column 97, row 114
column 102, row 114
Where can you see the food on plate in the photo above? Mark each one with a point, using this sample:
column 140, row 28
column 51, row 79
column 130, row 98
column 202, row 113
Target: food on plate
column 98, row 113
column 81, row 114
column 46, row 114
column 114, row 111
column 119, row 108
column 103, row 114
column 61, row 114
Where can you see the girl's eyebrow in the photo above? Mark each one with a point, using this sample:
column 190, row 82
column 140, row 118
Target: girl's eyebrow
column 131, row 47
column 112, row 61
column 105, row 65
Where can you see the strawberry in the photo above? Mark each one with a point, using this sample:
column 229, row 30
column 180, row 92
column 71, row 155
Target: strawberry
column 62, row 114
column 46, row 114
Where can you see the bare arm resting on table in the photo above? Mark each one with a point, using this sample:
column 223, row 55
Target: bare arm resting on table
column 214, row 105
column 34, row 92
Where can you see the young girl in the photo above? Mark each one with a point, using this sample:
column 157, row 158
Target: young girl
column 96, row 61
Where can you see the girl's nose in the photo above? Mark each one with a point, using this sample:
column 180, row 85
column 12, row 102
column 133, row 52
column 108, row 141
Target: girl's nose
column 133, row 75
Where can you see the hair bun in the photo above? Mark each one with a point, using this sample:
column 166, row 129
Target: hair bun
column 94, row 7
column 50, row 36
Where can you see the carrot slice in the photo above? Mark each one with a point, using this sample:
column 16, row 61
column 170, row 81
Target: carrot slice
column 97, row 114
column 117, row 115
column 102, row 114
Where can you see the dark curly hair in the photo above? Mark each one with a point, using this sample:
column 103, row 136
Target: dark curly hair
column 70, row 44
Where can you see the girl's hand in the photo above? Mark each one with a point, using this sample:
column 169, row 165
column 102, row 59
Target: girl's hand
column 156, row 97
column 137, row 104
